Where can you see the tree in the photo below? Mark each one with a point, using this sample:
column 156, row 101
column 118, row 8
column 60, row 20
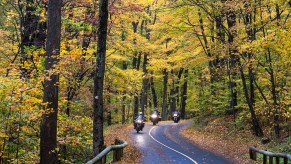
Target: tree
column 48, row 130
column 98, row 138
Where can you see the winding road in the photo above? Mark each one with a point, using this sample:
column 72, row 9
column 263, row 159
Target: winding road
column 162, row 144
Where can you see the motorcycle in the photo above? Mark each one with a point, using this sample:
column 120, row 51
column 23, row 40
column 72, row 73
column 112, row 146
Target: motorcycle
column 139, row 124
column 154, row 118
column 176, row 117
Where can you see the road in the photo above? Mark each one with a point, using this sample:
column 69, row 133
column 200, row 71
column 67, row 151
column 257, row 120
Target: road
column 162, row 144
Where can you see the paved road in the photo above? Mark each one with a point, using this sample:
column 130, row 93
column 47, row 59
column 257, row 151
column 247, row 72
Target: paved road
column 162, row 144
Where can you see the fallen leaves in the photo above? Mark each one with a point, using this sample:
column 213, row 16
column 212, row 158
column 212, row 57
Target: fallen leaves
column 216, row 138
column 122, row 132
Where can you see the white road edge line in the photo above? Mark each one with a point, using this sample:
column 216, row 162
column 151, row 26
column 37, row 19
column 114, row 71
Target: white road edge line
column 170, row 147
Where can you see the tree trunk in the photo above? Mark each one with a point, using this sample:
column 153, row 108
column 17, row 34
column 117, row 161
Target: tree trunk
column 135, row 65
column 270, row 71
column 123, row 110
column 48, row 129
column 155, row 99
column 165, row 105
column 70, row 95
column 144, row 91
column 184, row 95
column 30, row 23
column 32, row 33
column 124, row 66
column 138, row 61
column 98, row 138
column 273, row 83
column 177, row 90
column 233, row 59
column 172, row 95
column 108, row 110
column 255, row 123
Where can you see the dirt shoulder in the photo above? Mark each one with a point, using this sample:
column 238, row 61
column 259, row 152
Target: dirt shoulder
column 216, row 137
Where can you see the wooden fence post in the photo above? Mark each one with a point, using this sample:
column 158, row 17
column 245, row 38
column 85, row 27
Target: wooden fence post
column 277, row 160
column 118, row 152
column 285, row 160
column 264, row 159
column 270, row 160
column 253, row 154
column 114, row 155
column 268, row 157
column 121, row 152
column 103, row 159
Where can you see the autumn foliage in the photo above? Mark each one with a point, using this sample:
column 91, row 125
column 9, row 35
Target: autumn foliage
column 205, row 58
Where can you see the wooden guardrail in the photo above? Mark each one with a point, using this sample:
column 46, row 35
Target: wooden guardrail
column 285, row 156
column 117, row 152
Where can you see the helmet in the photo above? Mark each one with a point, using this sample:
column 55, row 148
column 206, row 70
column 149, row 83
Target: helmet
column 140, row 113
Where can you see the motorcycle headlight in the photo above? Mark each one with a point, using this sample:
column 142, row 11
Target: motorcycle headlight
column 154, row 116
column 175, row 115
column 139, row 121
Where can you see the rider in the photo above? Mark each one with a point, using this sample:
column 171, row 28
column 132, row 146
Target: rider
column 139, row 116
column 176, row 112
column 156, row 112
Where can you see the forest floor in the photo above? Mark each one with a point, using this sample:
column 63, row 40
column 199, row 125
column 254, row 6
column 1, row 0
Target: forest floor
column 122, row 132
column 218, row 136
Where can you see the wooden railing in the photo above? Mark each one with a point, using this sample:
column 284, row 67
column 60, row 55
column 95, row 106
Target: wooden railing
column 285, row 156
column 117, row 152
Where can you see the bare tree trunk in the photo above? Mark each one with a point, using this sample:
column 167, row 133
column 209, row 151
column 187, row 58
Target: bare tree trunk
column 108, row 110
column 255, row 123
column 135, row 65
column 144, row 91
column 250, row 98
column 154, row 94
column 177, row 90
column 184, row 95
column 172, row 97
column 98, row 106
column 48, row 129
column 123, row 99
column 270, row 71
column 32, row 33
column 165, row 105
column 273, row 84
column 233, row 59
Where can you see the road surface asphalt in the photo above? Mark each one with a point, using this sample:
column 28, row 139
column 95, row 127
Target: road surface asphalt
column 162, row 144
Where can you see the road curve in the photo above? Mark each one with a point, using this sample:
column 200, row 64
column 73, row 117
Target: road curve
column 162, row 144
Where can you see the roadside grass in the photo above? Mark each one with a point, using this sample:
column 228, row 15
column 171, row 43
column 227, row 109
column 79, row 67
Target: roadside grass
column 222, row 139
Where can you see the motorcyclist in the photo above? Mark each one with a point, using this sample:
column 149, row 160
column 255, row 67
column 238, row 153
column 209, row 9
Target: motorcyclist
column 156, row 112
column 140, row 116
column 177, row 113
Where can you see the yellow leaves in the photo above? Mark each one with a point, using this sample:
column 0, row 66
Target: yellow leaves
column 26, row 130
column 32, row 100
column 158, row 64
column 126, row 80
column 3, row 135
column 114, row 57
column 73, row 54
